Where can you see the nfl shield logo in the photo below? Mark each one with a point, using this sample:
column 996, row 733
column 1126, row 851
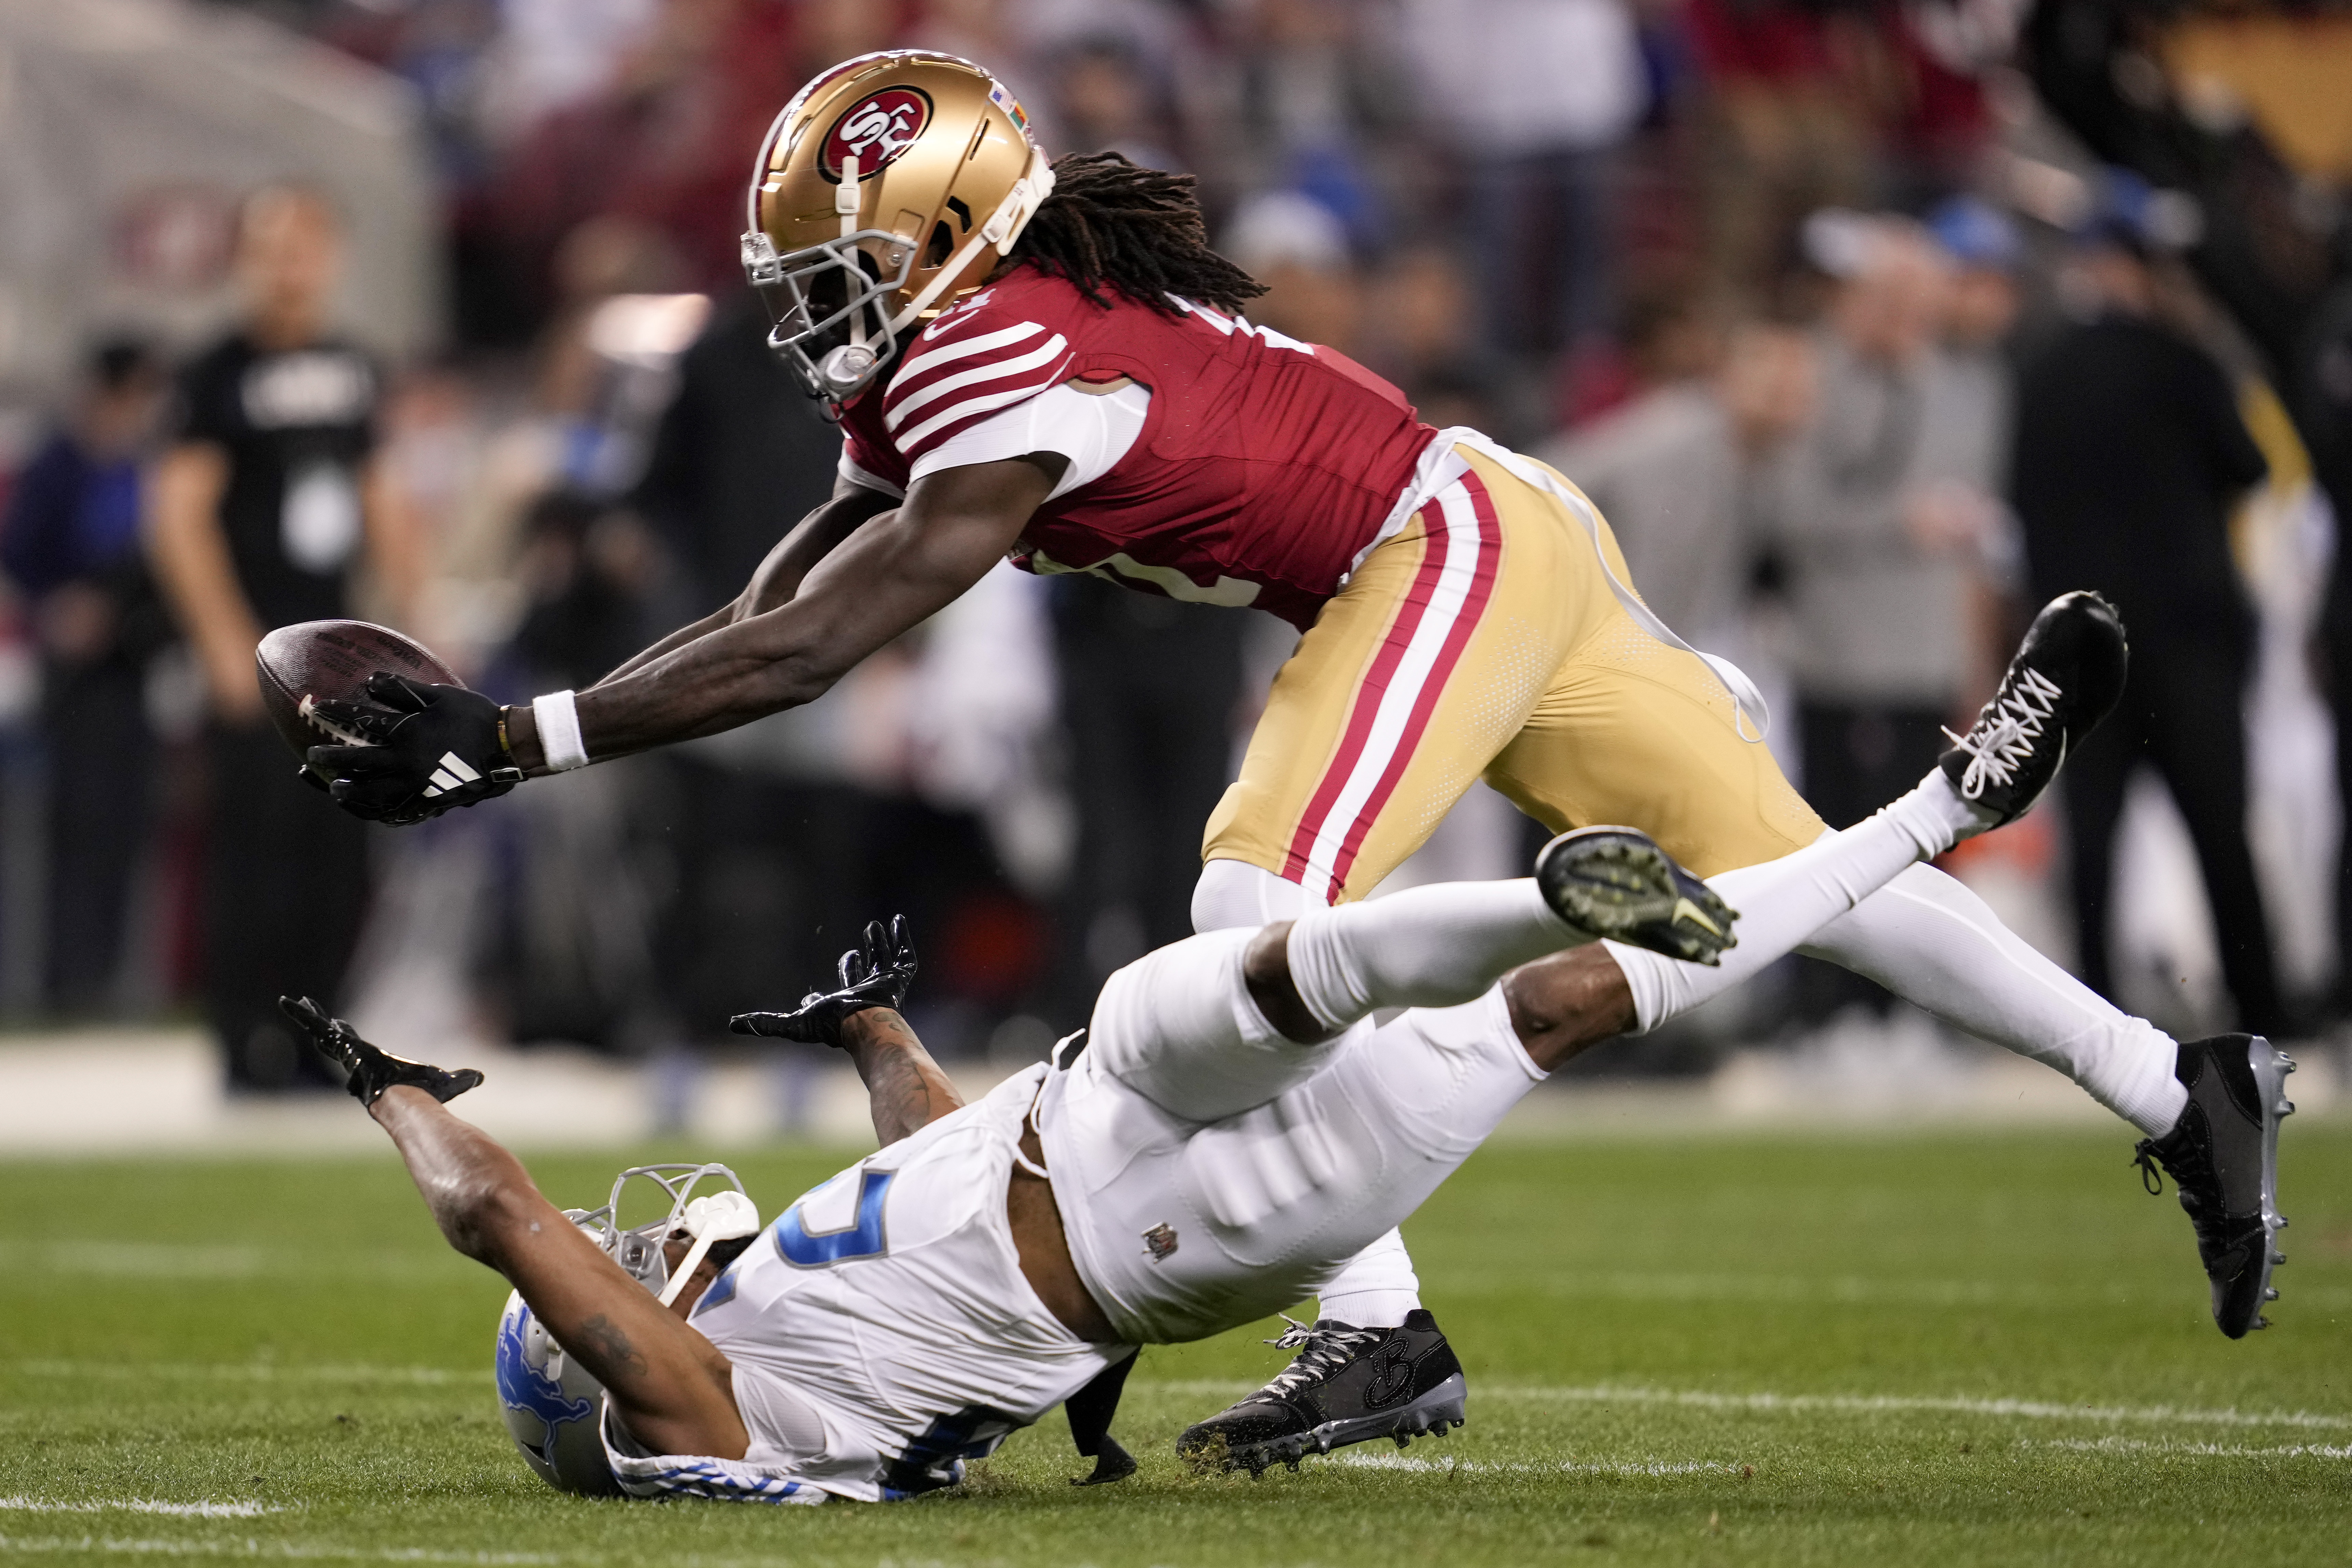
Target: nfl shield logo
column 1161, row 1242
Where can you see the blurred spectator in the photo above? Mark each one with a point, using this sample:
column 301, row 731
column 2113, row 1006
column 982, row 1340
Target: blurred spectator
column 993, row 35
column 1422, row 334
column 576, row 959
column 1675, row 471
column 770, row 831
column 2130, row 452
column 1981, row 305
column 1535, row 97
column 1295, row 247
column 741, row 455
column 1319, row 97
column 1785, row 135
column 1881, row 516
column 1105, row 101
column 1149, row 691
column 70, row 544
column 555, row 52
column 266, row 501
column 665, row 142
column 1871, row 532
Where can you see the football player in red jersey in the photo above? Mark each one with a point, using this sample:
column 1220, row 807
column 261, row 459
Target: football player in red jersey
column 1046, row 362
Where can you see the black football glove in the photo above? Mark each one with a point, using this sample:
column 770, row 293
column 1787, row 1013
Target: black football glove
column 420, row 750
column 875, row 973
column 372, row 1071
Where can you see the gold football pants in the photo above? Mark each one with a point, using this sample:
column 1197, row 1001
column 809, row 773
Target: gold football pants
column 1483, row 640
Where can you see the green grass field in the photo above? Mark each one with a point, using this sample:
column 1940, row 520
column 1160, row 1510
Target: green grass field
column 1789, row 1350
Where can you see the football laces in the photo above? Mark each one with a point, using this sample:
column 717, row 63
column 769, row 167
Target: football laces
column 332, row 725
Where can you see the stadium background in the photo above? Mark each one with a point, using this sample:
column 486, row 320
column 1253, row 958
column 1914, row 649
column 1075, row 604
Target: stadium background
column 1588, row 226
column 1800, row 1281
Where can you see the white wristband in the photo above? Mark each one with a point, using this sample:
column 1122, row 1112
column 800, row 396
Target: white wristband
column 559, row 731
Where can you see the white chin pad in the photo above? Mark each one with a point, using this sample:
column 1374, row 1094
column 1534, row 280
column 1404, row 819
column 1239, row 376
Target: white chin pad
column 727, row 1216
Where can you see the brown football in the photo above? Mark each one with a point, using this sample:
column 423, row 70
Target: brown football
column 321, row 660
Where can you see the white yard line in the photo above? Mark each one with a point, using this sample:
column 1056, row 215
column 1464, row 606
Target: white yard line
column 1879, row 1403
column 241, row 1371
column 1848, row 1289
column 138, row 1505
column 1848, row 1404
column 2198, row 1450
column 150, row 1547
column 1377, row 1461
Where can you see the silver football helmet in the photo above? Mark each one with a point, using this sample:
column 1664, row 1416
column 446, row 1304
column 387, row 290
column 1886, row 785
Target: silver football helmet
column 550, row 1405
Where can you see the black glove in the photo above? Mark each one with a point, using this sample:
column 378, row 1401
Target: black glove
column 427, row 748
column 875, row 973
column 372, row 1071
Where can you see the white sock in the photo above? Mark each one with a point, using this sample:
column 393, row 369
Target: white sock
column 1943, row 815
column 1373, row 1289
column 1929, row 940
column 1781, row 904
column 1437, row 946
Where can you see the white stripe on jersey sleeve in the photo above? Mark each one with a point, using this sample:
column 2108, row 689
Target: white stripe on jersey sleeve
column 911, row 442
column 901, row 404
column 1093, row 430
column 924, row 360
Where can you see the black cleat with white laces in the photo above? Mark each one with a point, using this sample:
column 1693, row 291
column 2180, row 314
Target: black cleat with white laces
column 2222, row 1154
column 1347, row 1385
column 2066, row 676
column 1614, row 882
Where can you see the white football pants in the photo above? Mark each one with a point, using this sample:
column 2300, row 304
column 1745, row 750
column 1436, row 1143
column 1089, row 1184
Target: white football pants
column 1922, row 934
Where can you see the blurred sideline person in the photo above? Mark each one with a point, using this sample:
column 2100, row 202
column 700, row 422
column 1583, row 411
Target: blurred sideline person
column 1876, row 513
column 1225, row 1136
column 1676, row 471
column 2130, row 453
column 1096, row 402
column 260, row 509
column 1875, row 583
column 70, row 544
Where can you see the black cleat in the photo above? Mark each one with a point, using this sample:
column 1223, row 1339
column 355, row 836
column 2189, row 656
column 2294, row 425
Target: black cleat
column 372, row 1071
column 1347, row 1385
column 1615, row 883
column 2067, row 675
column 2223, row 1156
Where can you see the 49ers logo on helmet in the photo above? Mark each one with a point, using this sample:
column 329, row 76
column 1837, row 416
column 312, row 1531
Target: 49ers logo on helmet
column 875, row 130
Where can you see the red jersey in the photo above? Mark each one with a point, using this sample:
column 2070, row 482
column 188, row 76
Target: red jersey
column 1264, row 467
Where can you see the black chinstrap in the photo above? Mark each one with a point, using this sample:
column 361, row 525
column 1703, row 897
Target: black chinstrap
column 1112, row 224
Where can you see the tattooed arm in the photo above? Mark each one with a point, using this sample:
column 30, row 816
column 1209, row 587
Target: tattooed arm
column 908, row 1089
column 673, row 1388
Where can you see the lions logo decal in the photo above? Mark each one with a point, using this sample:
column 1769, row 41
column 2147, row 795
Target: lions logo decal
column 529, row 1390
column 875, row 130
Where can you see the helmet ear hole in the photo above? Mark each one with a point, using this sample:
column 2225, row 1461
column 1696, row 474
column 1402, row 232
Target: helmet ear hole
column 942, row 246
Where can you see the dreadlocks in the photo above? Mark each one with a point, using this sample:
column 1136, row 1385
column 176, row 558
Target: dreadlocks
column 1138, row 230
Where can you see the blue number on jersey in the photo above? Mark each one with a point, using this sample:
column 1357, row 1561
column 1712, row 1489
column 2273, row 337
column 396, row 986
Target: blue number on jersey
column 804, row 1249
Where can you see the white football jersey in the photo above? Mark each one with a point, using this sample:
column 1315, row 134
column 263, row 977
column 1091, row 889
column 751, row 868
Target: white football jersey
column 881, row 1330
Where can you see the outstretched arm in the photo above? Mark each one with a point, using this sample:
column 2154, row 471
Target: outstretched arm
column 780, row 575
column 889, row 574
column 671, row 1385
column 674, row 1389
column 907, row 1089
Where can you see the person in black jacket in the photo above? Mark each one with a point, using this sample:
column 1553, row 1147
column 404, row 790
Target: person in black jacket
column 265, row 500
column 2129, row 454
column 71, row 545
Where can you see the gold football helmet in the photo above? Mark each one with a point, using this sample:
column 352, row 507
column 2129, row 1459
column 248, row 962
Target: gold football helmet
column 889, row 185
